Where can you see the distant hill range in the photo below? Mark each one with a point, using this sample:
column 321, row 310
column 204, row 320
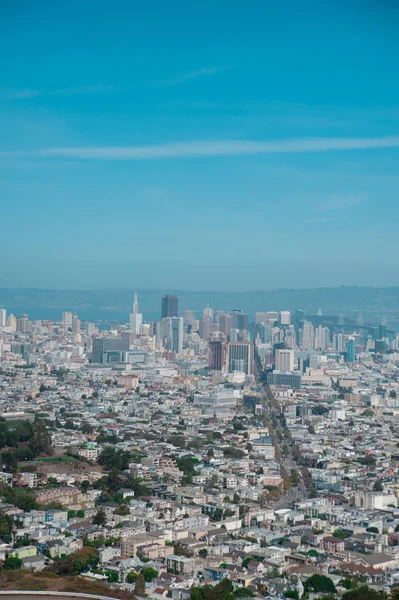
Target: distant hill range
column 372, row 303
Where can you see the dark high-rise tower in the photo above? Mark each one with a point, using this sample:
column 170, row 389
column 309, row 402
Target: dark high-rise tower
column 170, row 306
column 216, row 353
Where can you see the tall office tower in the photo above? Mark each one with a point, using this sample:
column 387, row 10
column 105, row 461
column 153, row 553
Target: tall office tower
column 75, row 324
column 234, row 313
column 164, row 332
column 170, row 306
column 307, row 336
column 328, row 336
column 290, row 338
column 369, row 343
column 260, row 317
column 145, row 329
column 12, row 323
column 319, row 338
column 67, row 319
column 216, row 353
column 285, row 360
column 271, row 317
column 189, row 320
column 205, row 327
column 189, row 316
column 22, row 323
column 136, row 318
column 233, row 335
column 285, row 317
column 350, row 350
column 299, row 317
column 225, row 323
column 109, row 349
column 3, row 317
column 240, row 357
column 242, row 322
column 265, row 333
column 218, row 314
column 338, row 342
column 208, row 312
column 214, row 326
column 177, row 335
column 240, row 319
column 90, row 329
column 135, row 304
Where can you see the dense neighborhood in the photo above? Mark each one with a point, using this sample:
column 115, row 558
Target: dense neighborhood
column 197, row 461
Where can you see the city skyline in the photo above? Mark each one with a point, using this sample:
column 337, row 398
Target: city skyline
column 265, row 153
column 199, row 300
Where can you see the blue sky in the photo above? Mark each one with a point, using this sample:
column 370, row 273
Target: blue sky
column 205, row 145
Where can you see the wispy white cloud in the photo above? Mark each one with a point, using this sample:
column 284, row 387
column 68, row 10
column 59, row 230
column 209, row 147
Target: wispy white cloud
column 24, row 93
column 339, row 202
column 195, row 74
column 211, row 148
column 14, row 94
column 319, row 220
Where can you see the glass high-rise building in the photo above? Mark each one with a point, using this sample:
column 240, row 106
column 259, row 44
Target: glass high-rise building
column 240, row 357
column 177, row 335
column 170, row 306
column 216, row 353
column 350, row 350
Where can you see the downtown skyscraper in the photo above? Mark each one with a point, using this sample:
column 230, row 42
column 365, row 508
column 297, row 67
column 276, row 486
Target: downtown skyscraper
column 136, row 318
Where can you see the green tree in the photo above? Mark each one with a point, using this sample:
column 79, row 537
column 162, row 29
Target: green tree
column 232, row 452
column 294, row 477
column 6, row 524
column 338, row 533
column 370, row 460
column 196, row 593
column 243, row 592
column 364, row 593
column 139, row 588
column 100, row 518
column 112, row 458
column 41, row 443
column 80, row 514
column 149, row 573
column 122, row 510
column 76, row 562
column 10, row 461
column 320, row 584
column 20, row 498
column 22, row 541
column 292, row 594
column 12, row 563
column 203, row 553
column 217, row 515
column 85, row 485
column 131, row 577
